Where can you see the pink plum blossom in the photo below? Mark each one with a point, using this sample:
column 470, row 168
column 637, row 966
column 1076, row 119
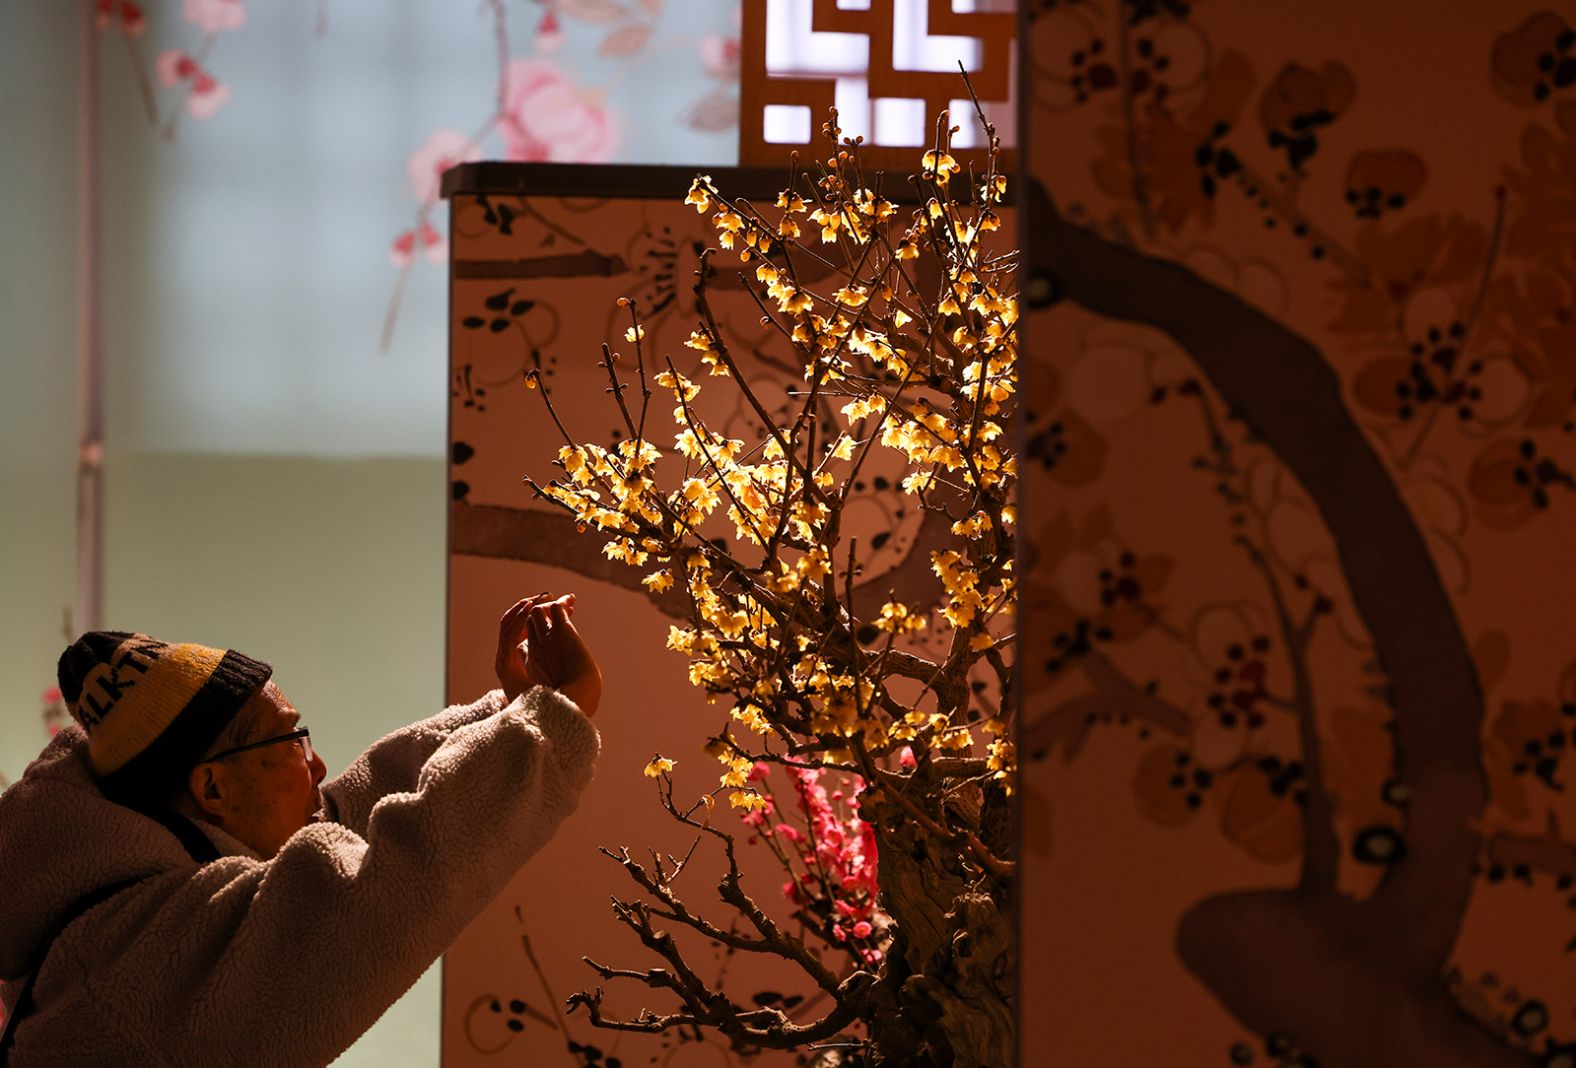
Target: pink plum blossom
column 444, row 149
column 837, row 853
column 214, row 16
column 547, row 117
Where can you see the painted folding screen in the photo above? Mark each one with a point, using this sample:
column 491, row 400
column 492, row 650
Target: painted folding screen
column 1301, row 680
column 540, row 259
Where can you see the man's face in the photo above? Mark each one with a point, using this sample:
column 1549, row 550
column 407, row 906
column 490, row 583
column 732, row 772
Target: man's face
column 271, row 791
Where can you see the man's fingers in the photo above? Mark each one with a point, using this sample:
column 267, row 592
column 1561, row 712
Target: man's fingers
column 520, row 608
column 554, row 650
column 513, row 619
column 536, row 624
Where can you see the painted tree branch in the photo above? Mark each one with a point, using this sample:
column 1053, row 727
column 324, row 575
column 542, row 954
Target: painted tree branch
column 1114, row 694
column 537, row 536
column 541, row 537
column 1284, row 389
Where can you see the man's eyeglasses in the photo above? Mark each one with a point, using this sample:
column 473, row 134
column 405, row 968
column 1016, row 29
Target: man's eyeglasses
column 300, row 734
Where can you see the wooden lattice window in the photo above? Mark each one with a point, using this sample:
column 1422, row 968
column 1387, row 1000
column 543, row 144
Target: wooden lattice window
column 890, row 66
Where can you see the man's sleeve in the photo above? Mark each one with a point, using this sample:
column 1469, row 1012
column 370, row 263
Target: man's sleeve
column 288, row 961
column 393, row 762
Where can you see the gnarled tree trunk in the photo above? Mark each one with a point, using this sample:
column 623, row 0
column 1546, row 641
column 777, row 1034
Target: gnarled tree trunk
column 946, row 997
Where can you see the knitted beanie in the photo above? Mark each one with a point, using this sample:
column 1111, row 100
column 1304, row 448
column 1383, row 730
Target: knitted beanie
column 152, row 709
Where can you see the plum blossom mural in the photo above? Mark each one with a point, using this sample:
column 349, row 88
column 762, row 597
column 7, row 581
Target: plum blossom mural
column 547, row 108
column 1303, row 418
column 567, row 86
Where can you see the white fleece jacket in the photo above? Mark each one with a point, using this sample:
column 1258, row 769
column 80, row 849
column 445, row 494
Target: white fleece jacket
column 283, row 961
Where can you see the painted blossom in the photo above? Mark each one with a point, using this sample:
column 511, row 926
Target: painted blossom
column 719, row 55
column 548, row 118
column 402, row 251
column 127, row 15
column 205, row 94
column 173, row 67
column 214, row 16
column 549, row 33
column 444, row 149
column 434, row 246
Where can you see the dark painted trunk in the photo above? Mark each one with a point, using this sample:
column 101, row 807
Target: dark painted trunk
column 1324, row 971
column 1355, row 985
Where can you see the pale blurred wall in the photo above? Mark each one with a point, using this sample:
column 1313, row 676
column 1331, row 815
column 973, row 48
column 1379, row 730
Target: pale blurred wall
column 273, row 481
column 38, row 236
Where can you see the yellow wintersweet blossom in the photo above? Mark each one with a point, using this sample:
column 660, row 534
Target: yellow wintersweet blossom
column 1003, row 757
column 842, row 449
column 738, row 769
column 865, row 406
column 909, row 380
column 897, row 619
column 700, row 193
column 973, row 526
column 829, row 221
column 752, row 718
column 795, row 301
column 813, row 565
column 681, row 386
column 939, row 165
column 853, row 296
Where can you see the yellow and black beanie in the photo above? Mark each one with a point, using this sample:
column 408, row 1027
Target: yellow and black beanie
column 152, row 709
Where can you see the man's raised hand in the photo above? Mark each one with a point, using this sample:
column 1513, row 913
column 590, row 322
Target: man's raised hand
column 511, row 664
column 539, row 646
column 556, row 653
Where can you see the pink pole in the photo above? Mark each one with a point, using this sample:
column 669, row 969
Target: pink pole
column 90, row 336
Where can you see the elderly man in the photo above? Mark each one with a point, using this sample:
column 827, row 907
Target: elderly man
column 178, row 885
